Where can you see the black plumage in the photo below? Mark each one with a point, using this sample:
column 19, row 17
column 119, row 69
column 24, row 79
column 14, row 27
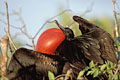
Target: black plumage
column 31, row 65
column 104, row 41
column 73, row 53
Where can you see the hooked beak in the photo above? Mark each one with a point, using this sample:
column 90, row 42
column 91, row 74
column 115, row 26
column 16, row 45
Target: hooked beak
column 60, row 26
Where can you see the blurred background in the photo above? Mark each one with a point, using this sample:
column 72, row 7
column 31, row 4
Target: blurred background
column 28, row 16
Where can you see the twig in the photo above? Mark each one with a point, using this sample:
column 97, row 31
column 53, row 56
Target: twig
column 117, row 13
column 115, row 19
column 33, row 44
column 117, row 6
column 116, row 32
column 28, row 45
column 20, row 17
column 89, row 9
column 71, row 24
column 0, row 54
column 22, row 29
column 4, row 46
column 40, row 29
column 61, row 77
column 0, row 51
column 8, row 33
column 9, row 24
column 49, row 21
column 69, row 72
column 10, row 14
column 115, row 72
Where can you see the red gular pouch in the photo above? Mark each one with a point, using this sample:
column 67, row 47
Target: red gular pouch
column 49, row 40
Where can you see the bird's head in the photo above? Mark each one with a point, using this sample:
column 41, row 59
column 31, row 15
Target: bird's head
column 69, row 35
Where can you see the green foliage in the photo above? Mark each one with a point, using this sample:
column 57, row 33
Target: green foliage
column 51, row 75
column 106, row 69
column 81, row 74
column 103, row 67
column 4, row 78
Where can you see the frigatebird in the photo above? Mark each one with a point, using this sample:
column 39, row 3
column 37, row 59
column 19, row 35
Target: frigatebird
column 73, row 53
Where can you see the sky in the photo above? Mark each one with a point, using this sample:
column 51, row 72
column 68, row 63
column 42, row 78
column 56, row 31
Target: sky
column 36, row 12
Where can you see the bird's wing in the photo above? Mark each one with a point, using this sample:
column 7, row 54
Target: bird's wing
column 28, row 64
column 89, row 47
column 107, row 47
column 105, row 41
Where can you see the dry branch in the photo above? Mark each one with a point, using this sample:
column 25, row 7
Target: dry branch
column 69, row 72
column 115, row 72
column 115, row 19
column 4, row 57
column 116, row 32
column 4, row 45
column 8, row 31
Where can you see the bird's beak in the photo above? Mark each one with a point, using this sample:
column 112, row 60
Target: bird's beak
column 60, row 26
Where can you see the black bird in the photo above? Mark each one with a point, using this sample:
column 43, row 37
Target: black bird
column 73, row 53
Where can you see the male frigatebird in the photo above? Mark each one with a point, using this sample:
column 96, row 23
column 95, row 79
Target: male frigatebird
column 72, row 53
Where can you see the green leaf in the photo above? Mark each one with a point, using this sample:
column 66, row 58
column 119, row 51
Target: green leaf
column 86, row 68
column 51, row 75
column 5, row 78
column 95, row 74
column 103, row 67
column 81, row 74
column 43, row 78
column 110, row 77
column 116, row 77
column 111, row 65
column 110, row 72
column 108, row 68
column 119, row 75
column 89, row 72
column 92, row 64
